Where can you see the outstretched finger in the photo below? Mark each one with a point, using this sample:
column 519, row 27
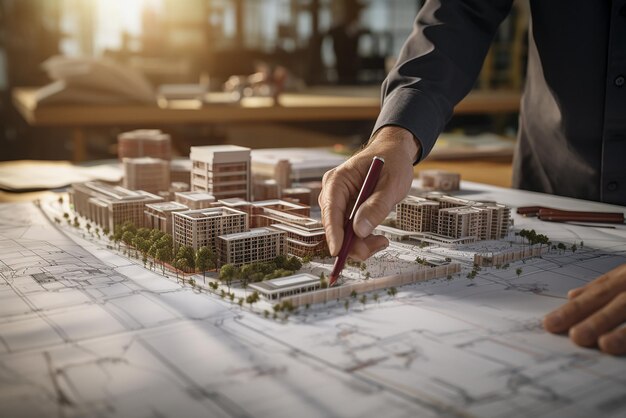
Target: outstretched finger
column 604, row 320
column 333, row 202
column 614, row 342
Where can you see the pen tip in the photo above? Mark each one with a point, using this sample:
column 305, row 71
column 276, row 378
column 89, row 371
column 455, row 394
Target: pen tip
column 332, row 279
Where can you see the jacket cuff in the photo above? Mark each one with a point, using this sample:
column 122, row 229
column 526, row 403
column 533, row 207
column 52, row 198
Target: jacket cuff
column 414, row 111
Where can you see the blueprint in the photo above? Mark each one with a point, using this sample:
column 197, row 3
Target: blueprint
column 85, row 331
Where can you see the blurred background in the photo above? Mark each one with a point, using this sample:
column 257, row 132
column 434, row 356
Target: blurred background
column 259, row 73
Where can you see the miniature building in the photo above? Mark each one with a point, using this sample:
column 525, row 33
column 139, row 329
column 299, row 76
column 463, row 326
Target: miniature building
column 303, row 242
column 286, row 286
column 255, row 245
column 282, row 174
column 159, row 215
column 303, row 164
column 236, row 203
column 221, row 170
column 453, row 217
column 440, row 180
column 144, row 143
column 200, row 228
column 305, row 236
column 110, row 206
column 299, row 194
column 180, row 171
column 266, row 189
column 263, row 206
column 315, row 187
column 416, row 214
column 459, row 222
column 146, row 173
column 195, row 200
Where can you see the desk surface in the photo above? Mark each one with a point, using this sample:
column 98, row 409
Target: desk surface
column 85, row 331
column 315, row 104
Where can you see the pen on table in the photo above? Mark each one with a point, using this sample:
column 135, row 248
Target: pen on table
column 369, row 184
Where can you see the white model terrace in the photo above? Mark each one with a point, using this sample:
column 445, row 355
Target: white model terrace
column 286, row 286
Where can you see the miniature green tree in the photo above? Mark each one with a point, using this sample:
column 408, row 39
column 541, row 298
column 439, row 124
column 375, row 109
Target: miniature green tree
column 392, row 291
column 227, row 274
column 346, row 304
column 518, row 271
column 253, row 298
column 204, row 261
column 363, row 300
column 353, row 294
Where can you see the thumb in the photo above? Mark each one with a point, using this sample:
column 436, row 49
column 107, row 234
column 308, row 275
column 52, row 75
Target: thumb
column 373, row 211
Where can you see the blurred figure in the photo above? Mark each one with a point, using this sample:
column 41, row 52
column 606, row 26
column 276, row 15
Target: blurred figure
column 345, row 35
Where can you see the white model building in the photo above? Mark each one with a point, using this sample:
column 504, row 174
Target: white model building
column 159, row 215
column 144, row 143
column 195, row 200
column 286, row 286
column 146, row 173
column 221, row 170
column 200, row 228
column 255, row 245
column 453, row 217
column 110, row 206
column 440, row 180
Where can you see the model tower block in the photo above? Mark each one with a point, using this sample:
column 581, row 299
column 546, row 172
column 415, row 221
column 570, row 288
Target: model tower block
column 144, row 143
column 146, row 173
column 221, row 170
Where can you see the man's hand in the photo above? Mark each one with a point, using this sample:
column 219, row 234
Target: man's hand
column 341, row 185
column 594, row 313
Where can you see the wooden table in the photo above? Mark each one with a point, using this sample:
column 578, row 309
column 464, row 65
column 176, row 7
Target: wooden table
column 315, row 104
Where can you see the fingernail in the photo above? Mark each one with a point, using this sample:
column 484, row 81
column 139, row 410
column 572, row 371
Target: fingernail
column 363, row 228
column 582, row 334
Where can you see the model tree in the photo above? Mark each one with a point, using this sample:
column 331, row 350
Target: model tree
column 204, row 261
column 227, row 274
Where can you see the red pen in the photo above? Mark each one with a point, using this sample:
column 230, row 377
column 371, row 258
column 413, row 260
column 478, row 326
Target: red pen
column 366, row 191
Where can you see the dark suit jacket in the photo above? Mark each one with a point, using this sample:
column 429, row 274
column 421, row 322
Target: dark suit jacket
column 572, row 134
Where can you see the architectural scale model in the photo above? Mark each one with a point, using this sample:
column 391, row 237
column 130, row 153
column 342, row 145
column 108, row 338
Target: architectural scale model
column 217, row 221
column 89, row 329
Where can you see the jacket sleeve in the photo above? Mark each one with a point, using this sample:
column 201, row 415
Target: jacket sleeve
column 438, row 65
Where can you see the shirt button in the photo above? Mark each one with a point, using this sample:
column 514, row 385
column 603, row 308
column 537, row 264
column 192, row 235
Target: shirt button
column 619, row 81
column 612, row 186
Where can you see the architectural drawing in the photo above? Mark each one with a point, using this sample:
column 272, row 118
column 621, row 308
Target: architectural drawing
column 85, row 331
